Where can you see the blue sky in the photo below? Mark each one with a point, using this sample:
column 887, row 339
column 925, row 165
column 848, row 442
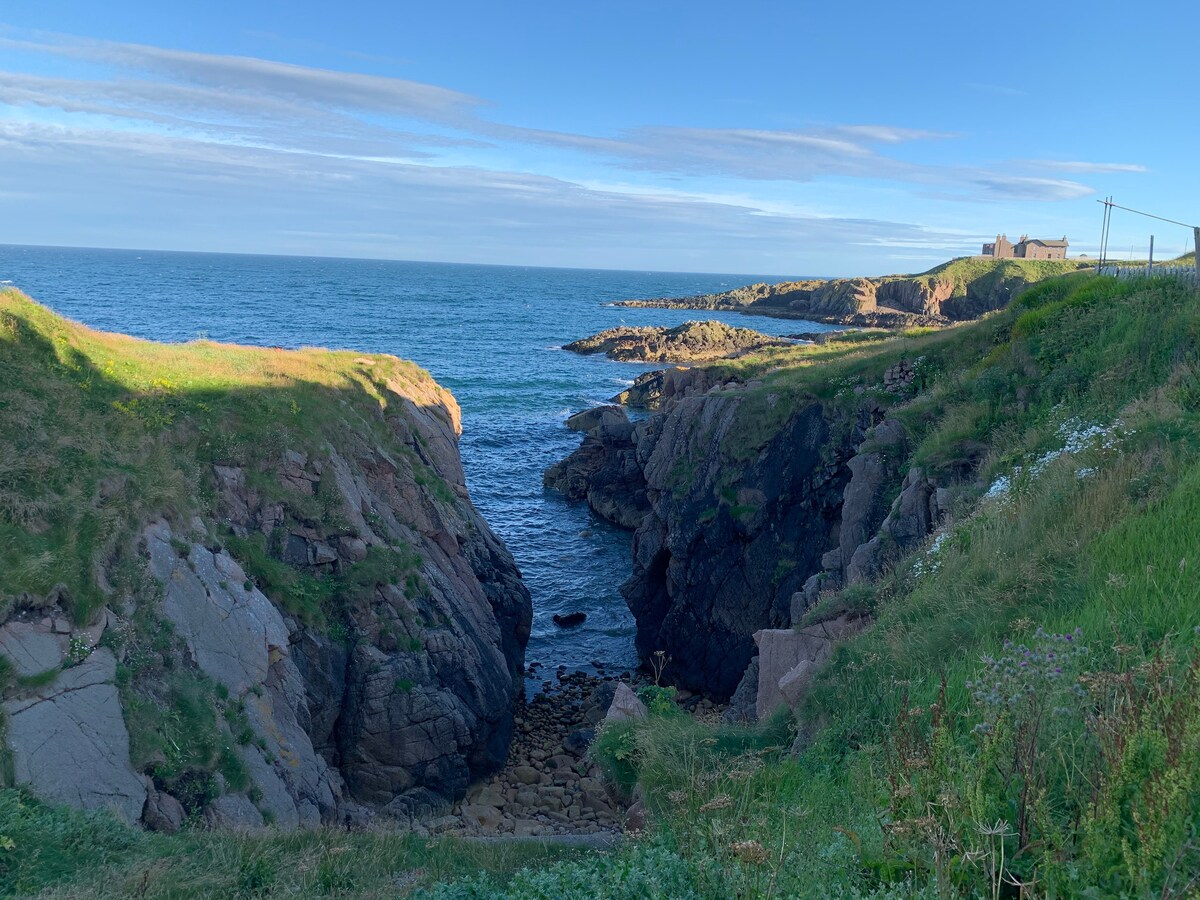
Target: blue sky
column 784, row 138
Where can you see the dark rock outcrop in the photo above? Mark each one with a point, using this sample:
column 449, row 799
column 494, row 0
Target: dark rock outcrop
column 570, row 620
column 653, row 390
column 396, row 696
column 725, row 546
column 734, row 546
column 690, row 342
column 604, row 471
column 860, row 302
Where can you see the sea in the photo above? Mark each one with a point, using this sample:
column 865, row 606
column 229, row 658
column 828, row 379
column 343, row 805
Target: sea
column 491, row 334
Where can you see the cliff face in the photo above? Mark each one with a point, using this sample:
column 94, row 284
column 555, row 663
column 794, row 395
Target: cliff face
column 746, row 523
column 292, row 612
column 723, row 549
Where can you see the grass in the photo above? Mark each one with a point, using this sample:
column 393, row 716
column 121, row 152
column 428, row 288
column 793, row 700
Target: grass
column 53, row 852
column 101, row 432
column 982, row 275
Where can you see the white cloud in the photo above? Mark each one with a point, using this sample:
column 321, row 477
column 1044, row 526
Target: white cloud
column 1086, row 167
column 1015, row 187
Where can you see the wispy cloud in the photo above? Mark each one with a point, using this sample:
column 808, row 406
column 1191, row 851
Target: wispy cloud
column 242, row 75
column 1017, row 187
column 1097, row 168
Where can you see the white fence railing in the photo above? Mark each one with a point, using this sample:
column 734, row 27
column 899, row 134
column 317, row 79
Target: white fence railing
column 1186, row 274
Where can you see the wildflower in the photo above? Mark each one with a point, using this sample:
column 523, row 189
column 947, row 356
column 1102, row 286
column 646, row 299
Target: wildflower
column 720, row 802
column 750, row 852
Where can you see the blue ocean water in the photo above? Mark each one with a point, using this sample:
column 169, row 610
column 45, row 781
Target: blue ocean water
column 491, row 334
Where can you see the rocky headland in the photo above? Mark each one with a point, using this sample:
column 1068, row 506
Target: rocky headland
column 957, row 291
column 263, row 595
column 691, row 342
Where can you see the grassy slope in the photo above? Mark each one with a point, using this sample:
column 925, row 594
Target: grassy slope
column 58, row 853
column 917, row 784
column 981, row 273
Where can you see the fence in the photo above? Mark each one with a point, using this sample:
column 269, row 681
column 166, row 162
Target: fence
column 1186, row 274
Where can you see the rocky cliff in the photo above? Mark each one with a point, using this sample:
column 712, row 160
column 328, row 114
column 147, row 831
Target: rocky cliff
column 953, row 292
column 688, row 343
column 749, row 504
column 255, row 589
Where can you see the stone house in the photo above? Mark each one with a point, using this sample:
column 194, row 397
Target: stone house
column 1025, row 248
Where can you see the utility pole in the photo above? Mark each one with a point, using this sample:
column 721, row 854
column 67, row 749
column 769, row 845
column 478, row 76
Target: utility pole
column 1107, row 201
column 1196, row 247
column 1150, row 270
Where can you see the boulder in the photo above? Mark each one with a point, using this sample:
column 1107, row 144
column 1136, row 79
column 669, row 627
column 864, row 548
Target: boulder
column 625, row 706
column 635, row 817
column 485, row 795
column 233, row 812
column 788, row 657
column 597, row 703
column 163, row 813
column 588, row 419
column 794, row 684
column 526, row 775
column 579, row 740
column 486, row 817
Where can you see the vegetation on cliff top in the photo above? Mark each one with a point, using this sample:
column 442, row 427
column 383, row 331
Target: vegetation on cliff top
column 981, row 273
column 102, row 432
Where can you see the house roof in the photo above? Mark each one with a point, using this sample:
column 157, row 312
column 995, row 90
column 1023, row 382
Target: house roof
column 1062, row 243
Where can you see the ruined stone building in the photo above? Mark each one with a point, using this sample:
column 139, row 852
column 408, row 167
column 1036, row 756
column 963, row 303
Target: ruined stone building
column 1025, row 248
